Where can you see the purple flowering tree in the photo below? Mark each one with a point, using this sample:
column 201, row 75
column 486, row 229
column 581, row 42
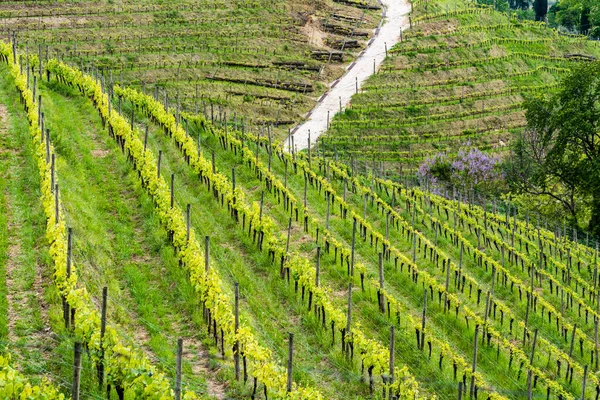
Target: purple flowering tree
column 469, row 169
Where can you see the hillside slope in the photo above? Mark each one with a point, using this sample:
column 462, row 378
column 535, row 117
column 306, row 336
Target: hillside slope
column 260, row 61
column 459, row 76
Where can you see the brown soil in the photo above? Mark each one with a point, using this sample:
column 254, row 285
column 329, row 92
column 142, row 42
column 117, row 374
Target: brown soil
column 195, row 352
column 3, row 119
column 313, row 32
column 99, row 153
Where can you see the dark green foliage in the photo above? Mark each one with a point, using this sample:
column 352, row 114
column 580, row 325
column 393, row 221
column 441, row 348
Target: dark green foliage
column 582, row 16
column 541, row 9
column 559, row 156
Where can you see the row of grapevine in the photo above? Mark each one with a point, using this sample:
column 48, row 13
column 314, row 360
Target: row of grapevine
column 206, row 281
column 319, row 232
column 127, row 369
column 375, row 357
column 379, row 237
column 14, row 385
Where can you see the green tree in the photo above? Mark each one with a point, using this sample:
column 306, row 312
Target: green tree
column 582, row 16
column 559, row 155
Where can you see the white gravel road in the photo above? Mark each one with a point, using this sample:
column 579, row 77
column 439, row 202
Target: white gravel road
column 388, row 34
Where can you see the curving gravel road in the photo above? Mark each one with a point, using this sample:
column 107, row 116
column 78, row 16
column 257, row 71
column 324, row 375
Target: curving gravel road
column 388, row 34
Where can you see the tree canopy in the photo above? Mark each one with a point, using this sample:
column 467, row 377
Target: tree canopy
column 582, row 16
column 559, row 155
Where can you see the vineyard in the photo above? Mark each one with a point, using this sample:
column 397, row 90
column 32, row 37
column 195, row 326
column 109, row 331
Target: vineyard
column 217, row 242
column 256, row 62
column 153, row 245
column 459, row 75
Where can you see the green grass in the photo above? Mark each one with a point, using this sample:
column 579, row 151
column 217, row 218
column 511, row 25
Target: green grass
column 118, row 241
column 268, row 304
column 36, row 339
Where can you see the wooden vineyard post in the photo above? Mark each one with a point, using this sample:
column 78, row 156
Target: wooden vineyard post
column 102, row 331
column 289, row 232
column 308, row 149
column 351, row 271
column 262, row 201
column 14, row 47
column 318, row 269
column 572, row 340
column 387, row 226
column 414, row 237
column 305, row 189
column 474, row 363
column 446, row 287
column 423, row 319
column 460, row 390
column 159, row 159
column 233, row 180
column 585, row 369
column 40, row 60
column 236, row 345
column 47, row 146
column 485, row 317
column 596, row 343
column 348, row 317
column 172, row 190
column 178, row 369
column 530, row 374
column 145, row 138
column 392, row 353
column 290, row 361
column 52, row 172
column 76, row 371
column 285, row 173
column 132, row 118
column 214, row 167
column 40, row 109
column 187, row 222
column 381, row 283
column 56, row 204
column 328, row 211
column 66, row 310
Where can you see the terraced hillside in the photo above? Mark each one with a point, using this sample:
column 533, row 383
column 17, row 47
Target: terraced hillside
column 388, row 291
column 459, row 75
column 261, row 62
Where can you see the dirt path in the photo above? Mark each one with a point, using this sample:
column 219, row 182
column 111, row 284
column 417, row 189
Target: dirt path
column 396, row 18
column 14, row 248
column 27, row 311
